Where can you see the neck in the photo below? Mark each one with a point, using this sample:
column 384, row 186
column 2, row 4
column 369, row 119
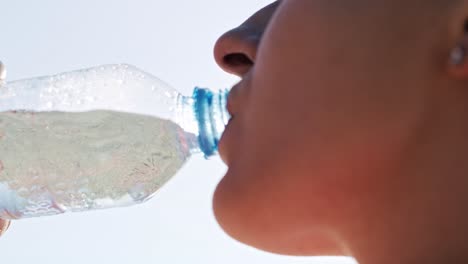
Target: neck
column 426, row 219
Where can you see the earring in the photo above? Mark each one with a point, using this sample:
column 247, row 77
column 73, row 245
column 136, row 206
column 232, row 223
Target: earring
column 458, row 55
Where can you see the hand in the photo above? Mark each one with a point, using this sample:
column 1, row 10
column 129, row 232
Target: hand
column 4, row 224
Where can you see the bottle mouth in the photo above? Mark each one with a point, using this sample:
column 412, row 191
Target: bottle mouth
column 212, row 117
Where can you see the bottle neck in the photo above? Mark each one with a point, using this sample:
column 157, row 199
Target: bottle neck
column 204, row 114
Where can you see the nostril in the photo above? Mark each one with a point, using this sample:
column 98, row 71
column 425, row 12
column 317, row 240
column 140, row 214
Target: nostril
column 237, row 59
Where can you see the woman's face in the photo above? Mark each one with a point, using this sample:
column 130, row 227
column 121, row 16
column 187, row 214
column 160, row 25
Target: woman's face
column 332, row 97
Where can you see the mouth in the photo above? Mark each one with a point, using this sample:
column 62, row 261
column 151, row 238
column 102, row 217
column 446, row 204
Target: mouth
column 231, row 105
column 225, row 143
column 228, row 125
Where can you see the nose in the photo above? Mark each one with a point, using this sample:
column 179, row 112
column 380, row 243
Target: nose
column 236, row 50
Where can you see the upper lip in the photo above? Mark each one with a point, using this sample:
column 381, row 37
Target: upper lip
column 231, row 105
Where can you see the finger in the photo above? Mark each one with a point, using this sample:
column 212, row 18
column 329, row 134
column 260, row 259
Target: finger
column 4, row 224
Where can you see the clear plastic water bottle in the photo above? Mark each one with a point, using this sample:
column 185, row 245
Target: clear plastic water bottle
column 97, row 138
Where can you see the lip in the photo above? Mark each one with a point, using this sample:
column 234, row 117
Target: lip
column 231, row 100
column 224, row 143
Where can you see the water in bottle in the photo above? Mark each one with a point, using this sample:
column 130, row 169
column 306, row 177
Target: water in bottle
column 98, row 138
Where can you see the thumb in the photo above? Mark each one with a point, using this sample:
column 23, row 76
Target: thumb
column 4, row 224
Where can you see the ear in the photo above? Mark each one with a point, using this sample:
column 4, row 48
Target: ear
column 458, row 59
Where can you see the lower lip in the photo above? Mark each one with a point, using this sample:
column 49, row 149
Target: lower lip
column 223, row 144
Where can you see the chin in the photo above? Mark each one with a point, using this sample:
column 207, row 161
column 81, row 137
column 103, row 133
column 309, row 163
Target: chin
column 244, row 219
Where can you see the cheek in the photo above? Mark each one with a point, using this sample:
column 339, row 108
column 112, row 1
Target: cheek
column 314, row 91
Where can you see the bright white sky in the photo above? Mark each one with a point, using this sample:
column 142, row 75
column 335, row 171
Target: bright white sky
column 173, row 40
